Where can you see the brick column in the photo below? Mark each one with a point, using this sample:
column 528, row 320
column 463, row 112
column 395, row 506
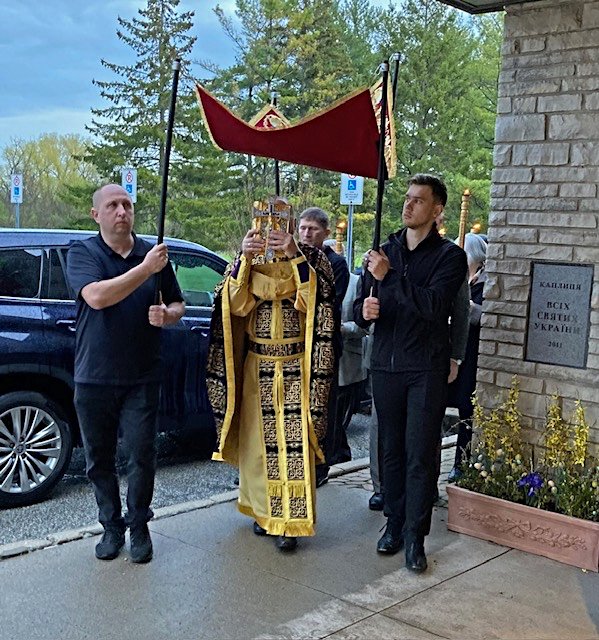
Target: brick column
column 545, row 202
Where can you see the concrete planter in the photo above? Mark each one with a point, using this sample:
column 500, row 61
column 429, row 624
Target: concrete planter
column 562, row 538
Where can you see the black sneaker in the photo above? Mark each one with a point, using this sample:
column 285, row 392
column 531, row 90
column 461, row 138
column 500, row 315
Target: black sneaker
column 391, row 541
column 141, row 544
column 111, row 544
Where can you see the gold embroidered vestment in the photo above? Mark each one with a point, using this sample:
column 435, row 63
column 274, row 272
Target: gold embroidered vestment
column 269, row 369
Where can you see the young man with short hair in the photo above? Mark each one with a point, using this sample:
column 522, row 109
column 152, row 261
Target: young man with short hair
column 418, row 275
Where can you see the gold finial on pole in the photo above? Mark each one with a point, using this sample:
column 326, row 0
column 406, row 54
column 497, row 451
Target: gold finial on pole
column 464, row 217
column 339, row 237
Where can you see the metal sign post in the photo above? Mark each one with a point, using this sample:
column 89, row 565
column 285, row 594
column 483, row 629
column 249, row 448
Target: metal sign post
column 16, row 195
column 352, row 193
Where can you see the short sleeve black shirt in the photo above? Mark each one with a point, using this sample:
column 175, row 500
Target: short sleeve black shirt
column 116, row 345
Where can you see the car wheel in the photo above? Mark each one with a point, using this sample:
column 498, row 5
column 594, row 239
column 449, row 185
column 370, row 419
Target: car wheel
column 35, row 447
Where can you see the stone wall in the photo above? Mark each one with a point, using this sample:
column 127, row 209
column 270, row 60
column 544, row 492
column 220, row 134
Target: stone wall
column 545, row 199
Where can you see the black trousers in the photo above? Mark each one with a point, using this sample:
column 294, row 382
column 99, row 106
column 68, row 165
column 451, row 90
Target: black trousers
column 346, row 404
column 410, row 407
column 106, row 412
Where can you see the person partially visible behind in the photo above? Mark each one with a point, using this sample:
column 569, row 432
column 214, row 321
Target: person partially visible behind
column 117, row 363
column 352, row 368
column 313, row 230
column 461, row 390
column 269, row 369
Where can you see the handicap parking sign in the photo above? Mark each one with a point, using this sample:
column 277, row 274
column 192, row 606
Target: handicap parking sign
column 129, row 182
column 16, row 188
column 352, row 189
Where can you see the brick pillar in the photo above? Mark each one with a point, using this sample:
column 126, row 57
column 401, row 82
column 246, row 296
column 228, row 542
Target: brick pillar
column 545, row 203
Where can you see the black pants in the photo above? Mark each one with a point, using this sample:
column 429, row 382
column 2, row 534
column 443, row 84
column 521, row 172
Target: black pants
column 410, row 409
column 346, row 404
column 105, row 413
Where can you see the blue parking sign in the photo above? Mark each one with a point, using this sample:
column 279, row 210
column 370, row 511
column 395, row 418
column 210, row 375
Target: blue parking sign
column 352, row 189
column 16, row 188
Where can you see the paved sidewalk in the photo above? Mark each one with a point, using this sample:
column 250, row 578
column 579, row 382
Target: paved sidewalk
column 211, row 577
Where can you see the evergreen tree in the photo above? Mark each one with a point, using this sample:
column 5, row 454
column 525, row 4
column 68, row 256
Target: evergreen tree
column 444, row 123
column 131, row 131
column 301, row 49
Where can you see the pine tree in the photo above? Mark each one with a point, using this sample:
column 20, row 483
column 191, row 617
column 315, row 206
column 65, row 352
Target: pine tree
column 308, row 51
column 445, row 122
column 131, row 131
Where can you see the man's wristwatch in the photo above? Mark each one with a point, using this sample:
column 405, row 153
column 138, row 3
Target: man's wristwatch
column 457, row 361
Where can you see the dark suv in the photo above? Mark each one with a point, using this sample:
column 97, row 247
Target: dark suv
column 38, row 424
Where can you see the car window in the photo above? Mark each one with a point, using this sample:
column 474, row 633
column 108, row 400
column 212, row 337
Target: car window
column 197, row 276
column 55, row 284
column 20, row 272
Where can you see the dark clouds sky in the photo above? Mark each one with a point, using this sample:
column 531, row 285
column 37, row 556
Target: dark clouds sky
column 50, row 51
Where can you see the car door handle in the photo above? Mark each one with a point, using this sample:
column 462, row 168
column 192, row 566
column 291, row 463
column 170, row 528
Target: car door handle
column 69, row 324
column 203, row 331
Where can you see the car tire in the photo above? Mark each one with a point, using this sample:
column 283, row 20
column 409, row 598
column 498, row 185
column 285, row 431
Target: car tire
column 35, row 447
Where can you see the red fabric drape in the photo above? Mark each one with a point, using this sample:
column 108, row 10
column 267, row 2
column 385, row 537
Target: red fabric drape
column 342, row 138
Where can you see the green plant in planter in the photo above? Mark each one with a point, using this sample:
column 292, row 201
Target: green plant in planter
column 565, row 479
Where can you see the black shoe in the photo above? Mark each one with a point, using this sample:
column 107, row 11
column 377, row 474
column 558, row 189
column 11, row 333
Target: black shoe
column 286, row 543
column 391, row 541
column 376, row 502
column 111, row 544
column 322, row 475
column 415, row 557
column 141, row 544
column 454, row 474
column 258, row 530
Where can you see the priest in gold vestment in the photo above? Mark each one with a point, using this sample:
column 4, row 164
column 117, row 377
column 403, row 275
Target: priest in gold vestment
column 269, row 370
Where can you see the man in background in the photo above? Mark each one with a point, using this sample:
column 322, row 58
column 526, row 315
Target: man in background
column 313, row 230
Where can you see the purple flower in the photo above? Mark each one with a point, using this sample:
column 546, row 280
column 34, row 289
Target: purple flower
column 533, row 481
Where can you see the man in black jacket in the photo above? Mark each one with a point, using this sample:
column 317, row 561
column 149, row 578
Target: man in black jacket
column 416, row 275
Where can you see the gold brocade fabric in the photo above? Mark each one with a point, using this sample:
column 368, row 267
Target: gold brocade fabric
column 269, row 389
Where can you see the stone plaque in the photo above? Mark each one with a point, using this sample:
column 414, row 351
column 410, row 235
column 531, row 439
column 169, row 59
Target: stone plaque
column 559, row 313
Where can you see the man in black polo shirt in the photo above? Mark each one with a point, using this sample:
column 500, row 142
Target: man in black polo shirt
column 313, row 230
column 117, row 363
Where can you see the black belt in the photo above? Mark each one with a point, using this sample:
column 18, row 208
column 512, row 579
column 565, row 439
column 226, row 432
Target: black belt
column 274, row 349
